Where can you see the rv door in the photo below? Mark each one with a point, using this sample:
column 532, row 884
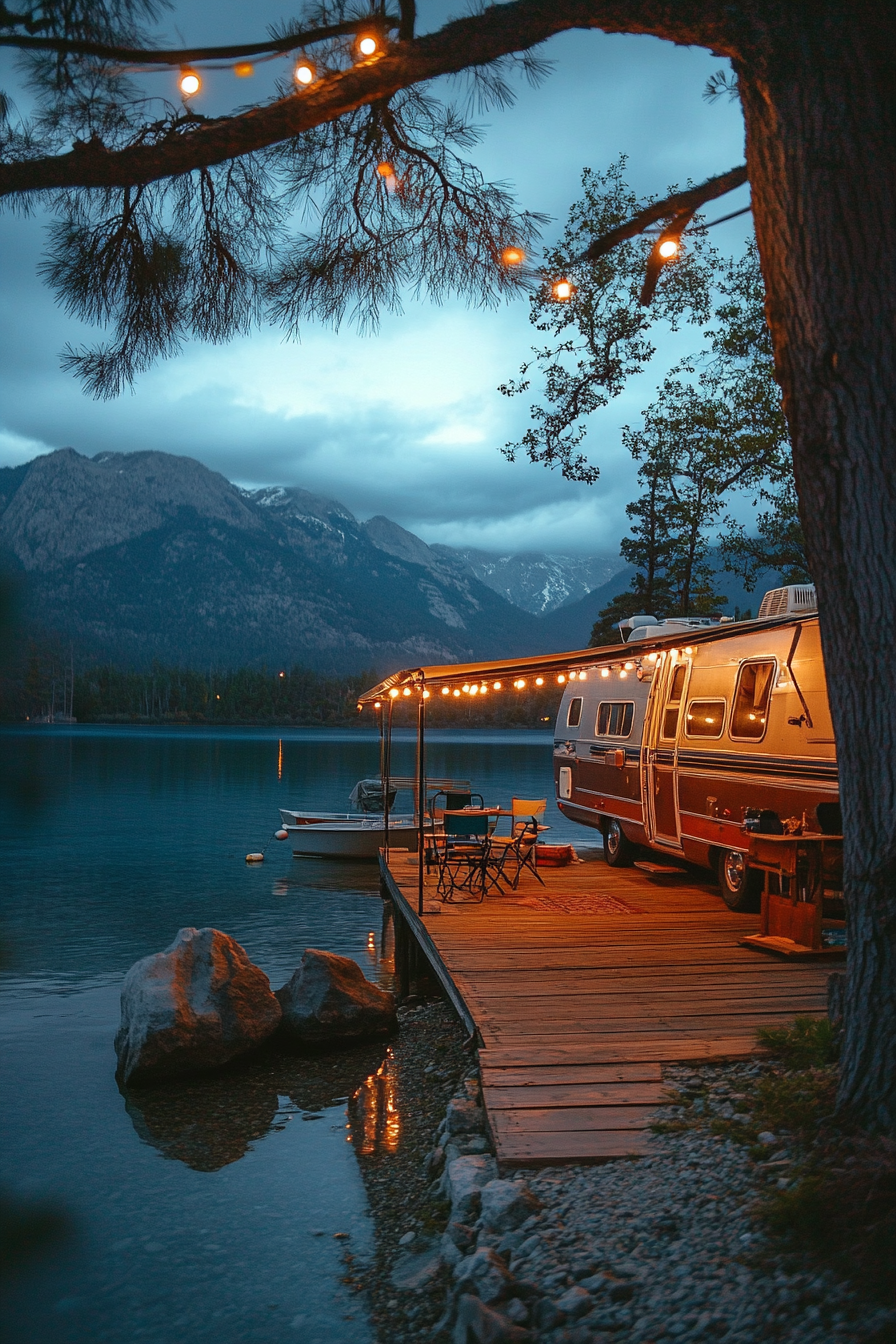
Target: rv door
column 662, row 752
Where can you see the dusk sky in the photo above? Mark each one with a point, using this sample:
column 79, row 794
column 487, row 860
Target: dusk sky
column 408, row 422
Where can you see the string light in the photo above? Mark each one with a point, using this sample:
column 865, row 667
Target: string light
column 244, row 69
column 513, row 256
column 474, row 690
column 496, row 686
column 539, row 681
column 406, row 691
column 669, row 248
column 622, row 674
column 426, row 695
column 561, row 679
column 456, row 692
column 377, row 704
column 483, row 689
column 583, row 676
column 190, row 83
column 605, row 671
column 466, row 688
column 446, row 690
column 304, row 73
column 562, row 290
column 689, row 651
column 367, row 45
column 393, row 694
column 629, row 666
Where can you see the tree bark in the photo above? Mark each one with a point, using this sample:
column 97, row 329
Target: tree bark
column 818, row 90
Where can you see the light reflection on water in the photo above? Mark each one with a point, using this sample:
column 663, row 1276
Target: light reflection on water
column 208, row 1211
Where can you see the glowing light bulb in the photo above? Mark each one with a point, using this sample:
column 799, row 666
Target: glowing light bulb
column 474, row 690
column 562, row 290
column 190, row 83
column 446, row 690
column 673, row 654
column 583, row 676
column 457, row 693
column 561, row 679
column 513, row 256
column 573, row 675
column 689, row 650
column 652, row 657
column 539, row 681
column 622, row 674
column 426, row 695
column 629, row 666
column 496, row 686
column 244, row 69
column 482, row 689
column 393, row 694
column 304, row 73
column 377, row 704
column 368, row 45
column 466, row 688
column 385, row 169
column 521, row 685
column 605, row 671
column 406, row 691
column 669, row 248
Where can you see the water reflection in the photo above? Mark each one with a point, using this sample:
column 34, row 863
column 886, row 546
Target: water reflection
column 212, row 1121
column 376, row 1122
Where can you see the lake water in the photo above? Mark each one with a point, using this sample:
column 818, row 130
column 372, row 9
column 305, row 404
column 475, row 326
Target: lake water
column 203, row 1212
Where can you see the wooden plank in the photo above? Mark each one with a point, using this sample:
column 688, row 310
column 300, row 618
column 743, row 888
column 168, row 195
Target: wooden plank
column 554, row 1120
column 496, row 1076
column 645, row 1048
column 538, row 1095
column 578, row 1146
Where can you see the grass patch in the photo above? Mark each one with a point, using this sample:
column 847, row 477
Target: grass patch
column 812, row 1042
column 840, row 1210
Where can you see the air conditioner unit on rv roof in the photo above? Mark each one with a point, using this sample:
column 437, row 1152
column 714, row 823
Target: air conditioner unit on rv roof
column 795, row 600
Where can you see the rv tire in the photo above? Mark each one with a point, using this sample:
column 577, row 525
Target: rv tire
column 619, row 851
column 740, row 885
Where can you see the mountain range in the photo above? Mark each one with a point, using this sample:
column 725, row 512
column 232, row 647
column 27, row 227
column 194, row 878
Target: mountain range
column 136, row 557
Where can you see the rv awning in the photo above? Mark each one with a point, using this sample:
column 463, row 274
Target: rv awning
column 505, row 670
column 552, row 665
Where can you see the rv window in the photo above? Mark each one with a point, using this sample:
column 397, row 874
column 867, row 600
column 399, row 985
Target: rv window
column 670, row 717
column 614, row 718
column 574, row 713
column 705, row 718
column 754, row 686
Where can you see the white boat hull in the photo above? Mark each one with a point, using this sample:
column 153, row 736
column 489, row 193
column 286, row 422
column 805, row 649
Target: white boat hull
column 349, row 839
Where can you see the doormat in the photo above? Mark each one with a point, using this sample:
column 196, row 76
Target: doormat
column 581, row 903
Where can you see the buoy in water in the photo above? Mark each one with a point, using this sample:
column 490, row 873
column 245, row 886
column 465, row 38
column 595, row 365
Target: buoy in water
column 255, row 858
column 281, row 835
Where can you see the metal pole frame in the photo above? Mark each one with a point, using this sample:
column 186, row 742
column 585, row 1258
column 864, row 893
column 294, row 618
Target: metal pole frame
column 387, row 758
column 421, row 792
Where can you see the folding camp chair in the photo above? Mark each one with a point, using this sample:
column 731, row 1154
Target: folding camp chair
column 519, row 849
column 463, row 854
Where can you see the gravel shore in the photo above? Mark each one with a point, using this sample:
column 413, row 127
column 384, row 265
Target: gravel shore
column 665, row 1247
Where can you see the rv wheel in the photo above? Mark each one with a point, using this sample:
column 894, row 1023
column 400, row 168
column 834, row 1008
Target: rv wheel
column 740, row 884
column 619, row 852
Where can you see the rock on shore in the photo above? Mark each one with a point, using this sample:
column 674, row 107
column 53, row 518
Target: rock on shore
column 193, row 1007
column 330, row 999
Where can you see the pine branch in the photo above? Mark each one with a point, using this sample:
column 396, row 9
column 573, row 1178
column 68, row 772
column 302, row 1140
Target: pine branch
column 476, row 40
column 174, row 56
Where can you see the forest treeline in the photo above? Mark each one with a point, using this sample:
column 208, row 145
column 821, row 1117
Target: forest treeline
column 47, row 686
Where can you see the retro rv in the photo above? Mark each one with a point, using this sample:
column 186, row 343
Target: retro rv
column 690, row 734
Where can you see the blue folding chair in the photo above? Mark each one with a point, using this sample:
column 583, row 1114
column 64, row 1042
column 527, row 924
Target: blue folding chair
column 463, row 856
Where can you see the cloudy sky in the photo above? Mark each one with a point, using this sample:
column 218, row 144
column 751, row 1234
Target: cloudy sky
column 408, row 422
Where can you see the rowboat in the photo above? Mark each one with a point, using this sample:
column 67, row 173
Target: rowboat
column 361, row 834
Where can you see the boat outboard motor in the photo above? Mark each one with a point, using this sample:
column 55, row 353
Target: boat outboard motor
column 367, row 796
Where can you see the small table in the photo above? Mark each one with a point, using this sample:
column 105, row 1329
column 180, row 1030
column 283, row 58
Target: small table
column 793, row 916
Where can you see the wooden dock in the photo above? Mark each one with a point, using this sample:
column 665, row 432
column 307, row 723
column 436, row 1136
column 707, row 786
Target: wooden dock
column 581, row 990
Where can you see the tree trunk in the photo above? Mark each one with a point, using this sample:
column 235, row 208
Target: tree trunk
column 818, row 92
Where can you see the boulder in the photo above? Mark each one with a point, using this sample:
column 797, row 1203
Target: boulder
column 329, row 999
column 507, row 1204
column 193, row 1007
column 414, row 1272
column 463, row 1116
column 476, row 1321
column 484, row 1274
column 464, row 1179
column 576, row 1301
